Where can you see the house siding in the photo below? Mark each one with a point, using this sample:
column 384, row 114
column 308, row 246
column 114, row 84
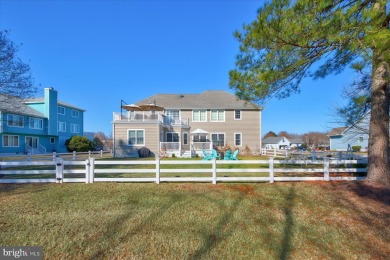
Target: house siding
column 45, row 109
column 151, row 139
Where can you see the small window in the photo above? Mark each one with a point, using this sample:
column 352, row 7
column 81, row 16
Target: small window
column 185, row 138
column 75, row 113
column 62, row 126
column 61, row 110
column 237, row 114
column 237, row 139
column 361, row 139
column 136, row 137
column 52, row 140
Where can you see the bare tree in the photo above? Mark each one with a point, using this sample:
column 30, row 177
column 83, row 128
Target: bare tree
column 16, row 82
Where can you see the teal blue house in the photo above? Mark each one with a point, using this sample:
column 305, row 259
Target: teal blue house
column 38, row 125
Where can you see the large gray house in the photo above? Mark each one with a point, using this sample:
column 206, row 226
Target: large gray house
column 186, row 124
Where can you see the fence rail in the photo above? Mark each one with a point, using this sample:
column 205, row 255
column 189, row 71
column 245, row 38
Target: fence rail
column 91, row 170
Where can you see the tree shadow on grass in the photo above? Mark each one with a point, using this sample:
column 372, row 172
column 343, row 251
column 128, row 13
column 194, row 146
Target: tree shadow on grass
column 212, row 237
column 116, row 226
column 286, row 245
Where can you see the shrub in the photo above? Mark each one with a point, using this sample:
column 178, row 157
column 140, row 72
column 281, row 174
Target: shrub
column 78, row 143
column 356, row 148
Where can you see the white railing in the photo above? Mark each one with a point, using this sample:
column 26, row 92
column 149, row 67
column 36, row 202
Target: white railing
column 91, row 170
column 176, row 121
column 170, row 146
column 198, row 146
column 140, row 117
column 41, row 148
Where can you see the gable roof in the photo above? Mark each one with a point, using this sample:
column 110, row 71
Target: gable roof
column 211, row 99
column 337, row 131
column 42, row 100
column 17, row 106
column 273, row 140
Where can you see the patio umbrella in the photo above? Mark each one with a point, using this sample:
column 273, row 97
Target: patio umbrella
column 151, row 107
column 132, row 107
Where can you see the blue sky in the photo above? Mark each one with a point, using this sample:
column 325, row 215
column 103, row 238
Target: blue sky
column 99, row 52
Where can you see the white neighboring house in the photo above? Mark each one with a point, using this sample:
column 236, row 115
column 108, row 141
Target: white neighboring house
column 278, row 143
column 294, row 143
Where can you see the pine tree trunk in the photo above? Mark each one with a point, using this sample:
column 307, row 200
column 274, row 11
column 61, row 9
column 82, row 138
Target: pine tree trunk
column 378, row 146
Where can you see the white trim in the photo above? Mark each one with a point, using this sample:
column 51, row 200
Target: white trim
column 78, row 113
column 32, row 137
column 136, row 130
column 234, row 114
column 2, row 141
column 218, row 133
column 200, row 110
column 234, row 139
column 59, row 109
column 59, row 128
column 18, row 116
column 188, row 140
column 218, row 112
column 33, row 119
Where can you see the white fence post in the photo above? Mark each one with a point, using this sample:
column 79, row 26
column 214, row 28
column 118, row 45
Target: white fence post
column 91, row 170
column 87, row 171
column 54, row 156
column 274, row 152
column 326, row 169
column 74, row 155
column 157, row 169
column 271, row 170
column 101, row 153
column 89, row 154
column 214, row 163
column 59, row 170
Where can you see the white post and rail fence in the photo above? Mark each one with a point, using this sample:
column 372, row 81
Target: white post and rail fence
column 157, row 171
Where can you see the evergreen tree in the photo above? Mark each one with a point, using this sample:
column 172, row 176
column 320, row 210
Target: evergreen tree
column 288, row 38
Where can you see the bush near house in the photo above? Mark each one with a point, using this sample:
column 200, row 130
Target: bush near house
column 356, row 148
column 79, row 143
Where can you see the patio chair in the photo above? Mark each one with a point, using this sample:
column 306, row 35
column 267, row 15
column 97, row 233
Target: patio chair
column 214, row 154
column 206, row 156
column 234, row 156
column 228, row 155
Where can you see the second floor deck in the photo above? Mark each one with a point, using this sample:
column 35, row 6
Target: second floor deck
column 149, row 118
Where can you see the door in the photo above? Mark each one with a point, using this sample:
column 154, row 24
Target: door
column 32, row 142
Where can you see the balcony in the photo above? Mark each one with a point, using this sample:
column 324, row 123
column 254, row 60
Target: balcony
column 139, row 117
column 146, row 117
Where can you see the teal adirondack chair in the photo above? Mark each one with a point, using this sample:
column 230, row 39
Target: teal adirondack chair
column 214, row 154
column 234, row 156
column 206, row 156
column 228, row 155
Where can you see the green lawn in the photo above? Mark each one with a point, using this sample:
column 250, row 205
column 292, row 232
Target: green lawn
column 316, row 220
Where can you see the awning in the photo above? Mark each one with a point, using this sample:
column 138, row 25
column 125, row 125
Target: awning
column 132, row 107
column 199, row 131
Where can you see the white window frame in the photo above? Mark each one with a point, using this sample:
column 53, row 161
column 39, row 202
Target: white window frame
column 218, row 133
column 12, row 138
column 61, row 126
column 36, row 123
column 235, row 139
column 75, row 113
column 240, row 113
column 15, row 120
column 75, row 128
column 218, row 112
column 61, row 110
column 185, row 137
column 199, row 111
column 136, row 131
